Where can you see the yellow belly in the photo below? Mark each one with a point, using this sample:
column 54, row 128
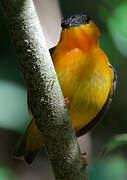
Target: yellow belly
column 86, row 82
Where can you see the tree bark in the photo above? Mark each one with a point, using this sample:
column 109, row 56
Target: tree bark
column 47, row 102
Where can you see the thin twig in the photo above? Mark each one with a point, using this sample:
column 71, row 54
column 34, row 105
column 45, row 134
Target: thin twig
column 47, row 102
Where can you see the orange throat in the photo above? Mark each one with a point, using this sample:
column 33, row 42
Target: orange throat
column 83, row 37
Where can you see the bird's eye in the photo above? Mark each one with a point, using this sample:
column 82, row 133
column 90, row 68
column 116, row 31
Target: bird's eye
column 75, row 20
column 85, row 19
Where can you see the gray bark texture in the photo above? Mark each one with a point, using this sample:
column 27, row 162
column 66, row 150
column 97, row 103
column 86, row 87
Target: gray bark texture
column 47, row 102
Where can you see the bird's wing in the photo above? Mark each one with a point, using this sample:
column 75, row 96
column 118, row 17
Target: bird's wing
column 104, row 109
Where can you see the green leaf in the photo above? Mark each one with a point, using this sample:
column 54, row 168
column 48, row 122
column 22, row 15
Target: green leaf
column 6, row 174
column 114, row 143
column 114, row 15
column 113, row 168
column 117, row 27
column 13, row 106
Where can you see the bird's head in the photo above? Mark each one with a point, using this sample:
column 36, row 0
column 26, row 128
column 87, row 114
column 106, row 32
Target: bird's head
column 79, row 30
column 75, row 20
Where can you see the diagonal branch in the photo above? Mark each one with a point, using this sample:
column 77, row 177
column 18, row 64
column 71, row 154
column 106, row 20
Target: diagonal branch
column 47, row 102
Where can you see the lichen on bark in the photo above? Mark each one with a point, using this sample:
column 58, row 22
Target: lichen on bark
column 46, row 99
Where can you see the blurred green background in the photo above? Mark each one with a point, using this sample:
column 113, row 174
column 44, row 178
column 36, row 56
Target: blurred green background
column 111, row 18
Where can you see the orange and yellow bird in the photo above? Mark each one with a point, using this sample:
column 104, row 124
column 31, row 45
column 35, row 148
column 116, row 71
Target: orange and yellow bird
column 87, row 79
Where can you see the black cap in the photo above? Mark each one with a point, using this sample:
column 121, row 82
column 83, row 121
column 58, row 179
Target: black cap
column 75, row 20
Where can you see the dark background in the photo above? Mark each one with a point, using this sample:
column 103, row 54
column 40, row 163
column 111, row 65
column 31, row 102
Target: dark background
column 110, row 16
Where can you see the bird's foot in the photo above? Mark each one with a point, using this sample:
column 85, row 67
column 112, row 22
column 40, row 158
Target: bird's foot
column 67, row 102
column 84, row 159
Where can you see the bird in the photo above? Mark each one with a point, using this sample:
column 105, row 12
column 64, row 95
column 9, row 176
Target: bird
column 87, row 79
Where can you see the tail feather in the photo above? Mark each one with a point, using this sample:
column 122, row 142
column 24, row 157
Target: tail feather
column 29, row 144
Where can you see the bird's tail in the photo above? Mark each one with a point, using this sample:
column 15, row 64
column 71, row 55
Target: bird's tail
column 29, row 144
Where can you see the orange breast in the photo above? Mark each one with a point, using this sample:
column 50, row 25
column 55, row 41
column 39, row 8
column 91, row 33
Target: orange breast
column 86, row 81
column 83, row 71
